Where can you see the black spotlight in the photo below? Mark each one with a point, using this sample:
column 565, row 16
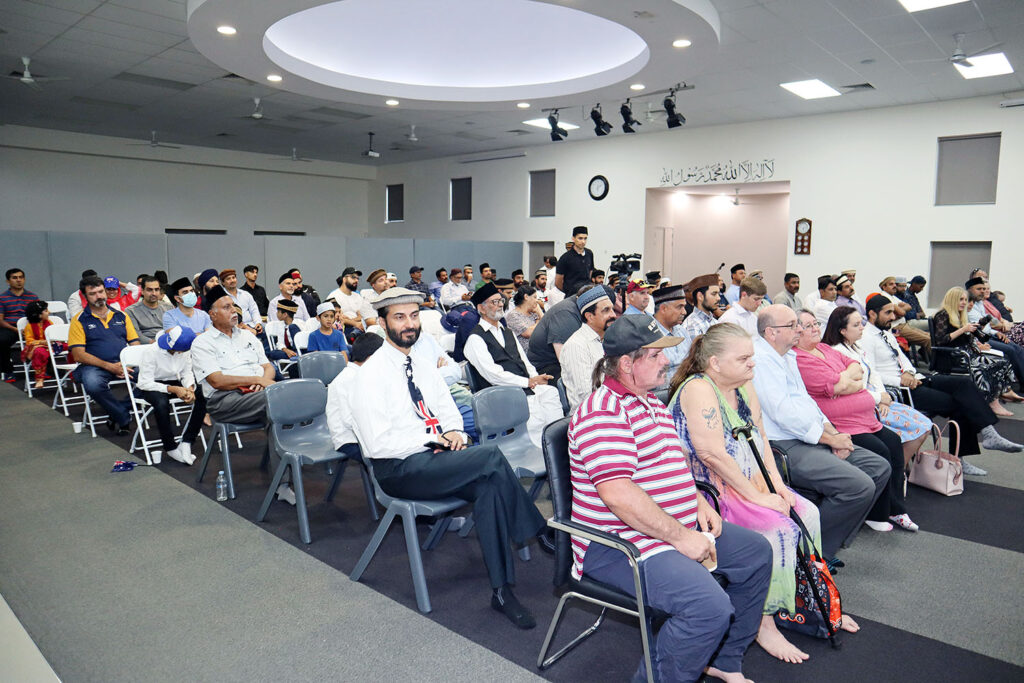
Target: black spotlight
column 675, row 119
column 557, row 132
column 601, row 127
column 626, row 112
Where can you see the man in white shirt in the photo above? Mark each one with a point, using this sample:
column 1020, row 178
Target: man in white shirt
column 826, row 302
column 165, row 372
column 250, row 311
column 355, row 310
column 583, row 350
column 454, row 292
column 977, row 292
column 743, row 312
column 669, row 311
column 496, row 357
column 900, row 308
column 287, row 286
column 403, row 409
column 952, row 396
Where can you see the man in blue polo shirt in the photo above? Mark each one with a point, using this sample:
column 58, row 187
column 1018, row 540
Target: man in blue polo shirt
column 12, row 309
column 95, row 340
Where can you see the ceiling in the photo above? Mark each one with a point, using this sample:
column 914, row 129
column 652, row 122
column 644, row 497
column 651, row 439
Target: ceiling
column 132, row 68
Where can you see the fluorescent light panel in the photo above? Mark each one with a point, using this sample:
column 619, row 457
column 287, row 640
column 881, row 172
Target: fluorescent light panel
column 543, row 123
column 919, row 5
column 984, row 66
column 811, row 90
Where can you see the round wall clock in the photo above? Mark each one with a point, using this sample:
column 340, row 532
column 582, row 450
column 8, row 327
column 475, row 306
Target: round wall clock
column 598, row 188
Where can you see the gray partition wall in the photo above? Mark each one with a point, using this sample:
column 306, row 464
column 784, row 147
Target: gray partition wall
column 122, row 255
column 369, row 253
column 320, row 259
column 504, row 257
column 29, row 251
column 191, row 254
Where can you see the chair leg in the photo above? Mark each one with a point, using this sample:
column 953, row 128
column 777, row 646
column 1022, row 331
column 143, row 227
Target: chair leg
column 371, row 548
column 269, row 498
column 300, row 502
column 524, row 553
column 543, row 663
column 206, row 455
column 336, row 481
column 437, row 532
column 412, row 545
column 238, row 438
column 225, row 452
column 371, row 500
column 467, row 526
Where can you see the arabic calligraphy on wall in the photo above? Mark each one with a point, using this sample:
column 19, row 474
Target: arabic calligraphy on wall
column 720, row 172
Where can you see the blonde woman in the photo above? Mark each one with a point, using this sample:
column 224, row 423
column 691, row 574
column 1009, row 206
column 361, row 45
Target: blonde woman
column 991, row 374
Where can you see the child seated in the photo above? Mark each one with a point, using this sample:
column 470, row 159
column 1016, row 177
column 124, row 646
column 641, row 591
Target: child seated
column 327, row 338
column 286, row 311
column 35, row 350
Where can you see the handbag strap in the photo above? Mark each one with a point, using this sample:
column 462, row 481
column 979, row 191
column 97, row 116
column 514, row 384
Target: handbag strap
column 938, row 445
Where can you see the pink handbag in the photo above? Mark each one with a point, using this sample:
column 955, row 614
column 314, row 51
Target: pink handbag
column 936, row 469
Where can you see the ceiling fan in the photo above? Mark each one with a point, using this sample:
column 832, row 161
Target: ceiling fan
column 28, row 79
column 153, row 142
column 257, row 112
column 294, row 156
column 410, row 144
column 959, row 56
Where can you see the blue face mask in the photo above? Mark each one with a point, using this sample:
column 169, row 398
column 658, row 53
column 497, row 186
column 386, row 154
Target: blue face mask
column 190, row 299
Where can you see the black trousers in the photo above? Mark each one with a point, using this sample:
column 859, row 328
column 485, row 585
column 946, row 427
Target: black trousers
column 161, row 403
column 956, row 397
column 887, row 444
column 502, row 510
column 8, row 340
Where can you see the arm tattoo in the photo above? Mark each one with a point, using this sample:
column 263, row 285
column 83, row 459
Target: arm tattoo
column 710, row 416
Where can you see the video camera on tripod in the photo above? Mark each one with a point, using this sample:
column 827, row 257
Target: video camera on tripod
column 624, row 265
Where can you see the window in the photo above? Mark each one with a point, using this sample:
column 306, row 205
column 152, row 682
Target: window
column 968, row 169
column 462, row 199
column 542, row 193
column 395, row 211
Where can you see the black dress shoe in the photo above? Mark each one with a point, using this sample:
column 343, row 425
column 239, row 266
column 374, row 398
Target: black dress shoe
column 505, row 601
column 546, row 541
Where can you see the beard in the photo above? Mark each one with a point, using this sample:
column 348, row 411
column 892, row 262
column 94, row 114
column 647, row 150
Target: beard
column 404, row 339
column 493, row 316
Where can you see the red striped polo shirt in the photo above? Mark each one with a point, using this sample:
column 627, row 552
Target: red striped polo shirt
column 614, row 434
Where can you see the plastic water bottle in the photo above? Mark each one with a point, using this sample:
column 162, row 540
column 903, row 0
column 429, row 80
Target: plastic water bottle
column 222, row 487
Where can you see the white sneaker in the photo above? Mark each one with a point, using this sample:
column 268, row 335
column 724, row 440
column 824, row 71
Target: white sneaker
column 185, row 449
column 175, row 454
column 878, row 526
column 155, row 456
column 285, row 493
column 972, row 470
column 904, row 522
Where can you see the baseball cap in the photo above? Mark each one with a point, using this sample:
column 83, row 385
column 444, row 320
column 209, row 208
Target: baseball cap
column 177, row 338
column 632, row 332
column 111, row 282
column 415, row 269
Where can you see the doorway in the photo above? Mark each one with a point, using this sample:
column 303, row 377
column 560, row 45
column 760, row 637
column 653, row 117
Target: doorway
column 536, row 251
column 952, row 262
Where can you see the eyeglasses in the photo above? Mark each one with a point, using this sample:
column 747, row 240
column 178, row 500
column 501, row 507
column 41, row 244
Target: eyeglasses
column 790, row 326
column 810, row 326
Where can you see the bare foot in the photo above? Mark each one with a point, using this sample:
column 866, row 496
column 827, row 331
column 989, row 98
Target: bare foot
column 849, row 625
column 999, row 410
column 207, row 421
column 775, row 644
column 730, row 677
column 38, row 384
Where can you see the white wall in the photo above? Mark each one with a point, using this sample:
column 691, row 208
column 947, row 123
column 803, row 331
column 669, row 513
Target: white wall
column 866, row 179
column 70, row 182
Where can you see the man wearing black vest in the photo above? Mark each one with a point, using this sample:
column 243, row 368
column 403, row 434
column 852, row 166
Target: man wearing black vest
column 496, row 359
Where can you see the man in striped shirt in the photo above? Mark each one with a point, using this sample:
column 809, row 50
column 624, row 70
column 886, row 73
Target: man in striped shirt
column 12, row 309
column 631, row 478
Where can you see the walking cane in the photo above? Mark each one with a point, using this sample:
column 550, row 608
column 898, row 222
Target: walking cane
column 801, row 553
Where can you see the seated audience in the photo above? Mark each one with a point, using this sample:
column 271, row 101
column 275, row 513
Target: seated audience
column 540, row 283
column 704, row 294
column 204, row 282
column 327, row 338
column 845, row 297
column 147, row 313
column 822, row 460
column 118, row 296
column 1003, row 333
column 845, row 328
column 259, row 294
column 487, row 274
column 583, row 349
column 507, row 291
column 398, row 441
column 899, row 325
column 356, row 312
column 95, row 340
column 77, row 302
column 37, row 352
column 669, row 309
column 496, row 358
column 166, row 371
column 286, row 283
column 630, row 478
column 417, row 284
column 338, row 410
column 310, row 297
column 597, row 276
column 559, row 323
column 12, row 308
column 435, row 287
column 251, row 316
column 525, row 314
column 712, row 394
column 638, row 296
column 952, row 396
column 737, row 273
column 992, row 375
column 518, row 278
column 826, row 302
column 916, row 315
column 467, row 273
column 759, row 275
column 743, row 311
column 788, row 296
column 286, row 347
column 392, row 281
column 454, row 292
column 835, row 383
column 186, row 314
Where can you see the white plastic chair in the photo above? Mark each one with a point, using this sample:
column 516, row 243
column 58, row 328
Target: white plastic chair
column 301, row 341
column 26, row 366
column 57, row 308
column 275, row 331
column 62, row 368
column 311, row 324
column 430, row 321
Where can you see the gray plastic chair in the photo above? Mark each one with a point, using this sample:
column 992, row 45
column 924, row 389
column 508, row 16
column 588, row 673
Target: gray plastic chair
column 409, row 510
column 501, row 414
column 299, row 434
column 220, row 432
column 321, row 365
column 563, row 396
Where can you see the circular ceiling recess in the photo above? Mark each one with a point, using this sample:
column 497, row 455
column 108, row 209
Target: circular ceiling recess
column 455, row 50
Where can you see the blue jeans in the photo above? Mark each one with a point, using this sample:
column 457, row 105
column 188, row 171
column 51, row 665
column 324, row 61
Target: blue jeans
column 96, row 382
column 1013, row 353
column 707, row 624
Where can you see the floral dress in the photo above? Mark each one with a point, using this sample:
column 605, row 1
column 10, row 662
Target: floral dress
column 782, row 532
column 992, row 375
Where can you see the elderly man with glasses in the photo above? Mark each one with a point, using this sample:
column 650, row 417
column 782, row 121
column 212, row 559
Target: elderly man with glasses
column 821, row 459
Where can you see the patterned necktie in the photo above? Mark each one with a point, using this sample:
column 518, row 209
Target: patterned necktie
column 431, row 423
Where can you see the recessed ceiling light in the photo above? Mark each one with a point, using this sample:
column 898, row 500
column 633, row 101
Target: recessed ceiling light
column 391, row 103
column 984, row 66
column 919, row 5
column 226, row 30
column 273, row 78
column 682, row 42
column 523, row 105
column 637, row 86
column 543, row 123
column 811, row 90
